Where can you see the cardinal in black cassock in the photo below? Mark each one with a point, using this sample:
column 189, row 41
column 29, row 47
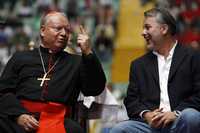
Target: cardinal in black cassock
column 44, row 83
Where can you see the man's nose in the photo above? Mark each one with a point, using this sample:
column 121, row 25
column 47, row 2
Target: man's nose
column 143, row 32
column 63, row 31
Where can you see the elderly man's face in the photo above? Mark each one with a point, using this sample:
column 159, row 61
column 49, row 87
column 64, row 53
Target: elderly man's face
column 55, row 32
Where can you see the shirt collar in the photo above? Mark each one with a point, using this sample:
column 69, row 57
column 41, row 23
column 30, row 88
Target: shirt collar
column 46, row 51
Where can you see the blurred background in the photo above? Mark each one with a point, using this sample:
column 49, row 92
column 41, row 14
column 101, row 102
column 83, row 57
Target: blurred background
column 115, row 27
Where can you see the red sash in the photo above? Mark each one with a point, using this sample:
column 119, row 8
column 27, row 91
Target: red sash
column 51, row 115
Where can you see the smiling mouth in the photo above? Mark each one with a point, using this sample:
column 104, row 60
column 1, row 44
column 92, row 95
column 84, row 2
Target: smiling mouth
column 147, row 38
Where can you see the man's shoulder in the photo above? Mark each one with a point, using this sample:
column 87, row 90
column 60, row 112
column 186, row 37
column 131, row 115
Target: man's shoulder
column 187, row 49
column 73, row 58
column 142, row 58
column 21, row 54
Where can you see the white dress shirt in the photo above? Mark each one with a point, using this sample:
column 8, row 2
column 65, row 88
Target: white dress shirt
column 164, row 64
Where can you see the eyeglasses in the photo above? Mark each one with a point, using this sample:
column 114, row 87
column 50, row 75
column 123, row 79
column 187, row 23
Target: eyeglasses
column 59, row 29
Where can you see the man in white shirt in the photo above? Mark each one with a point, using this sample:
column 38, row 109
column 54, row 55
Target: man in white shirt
column 164, row 85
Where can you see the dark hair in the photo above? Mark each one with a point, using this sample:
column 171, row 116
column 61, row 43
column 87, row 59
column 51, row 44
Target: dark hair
column 162, row 17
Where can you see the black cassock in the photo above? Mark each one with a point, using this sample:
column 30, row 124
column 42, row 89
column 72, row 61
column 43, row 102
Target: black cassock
column 72, row 74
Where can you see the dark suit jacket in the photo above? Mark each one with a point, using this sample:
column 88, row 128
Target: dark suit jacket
column 183, row 82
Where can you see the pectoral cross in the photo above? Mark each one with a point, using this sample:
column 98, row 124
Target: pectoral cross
column 43, row 79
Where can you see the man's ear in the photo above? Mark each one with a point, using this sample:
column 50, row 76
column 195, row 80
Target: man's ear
column 165, row 29
column 42, row 29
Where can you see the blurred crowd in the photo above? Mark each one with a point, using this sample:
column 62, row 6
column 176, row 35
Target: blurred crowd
column 20, row 22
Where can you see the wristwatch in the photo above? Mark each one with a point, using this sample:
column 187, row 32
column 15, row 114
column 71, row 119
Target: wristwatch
column 177, row 113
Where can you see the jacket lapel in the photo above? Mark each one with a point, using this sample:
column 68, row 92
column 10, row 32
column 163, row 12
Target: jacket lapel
column 177, row 58
column 152, row 66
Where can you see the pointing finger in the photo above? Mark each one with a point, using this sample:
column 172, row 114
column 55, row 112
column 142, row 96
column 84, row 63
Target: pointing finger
column 82, row 29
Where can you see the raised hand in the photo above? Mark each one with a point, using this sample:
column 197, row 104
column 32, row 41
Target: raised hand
column 83, row 41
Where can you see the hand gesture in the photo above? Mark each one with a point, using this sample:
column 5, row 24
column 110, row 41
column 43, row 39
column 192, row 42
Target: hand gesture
column 84, row 41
